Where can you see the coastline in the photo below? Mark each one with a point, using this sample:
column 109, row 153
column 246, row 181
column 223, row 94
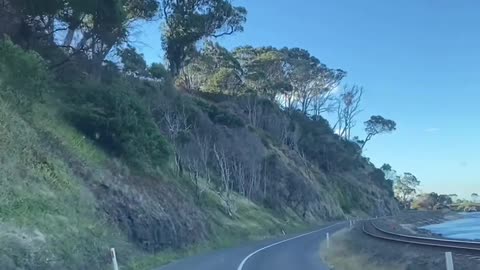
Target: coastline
column 351, row 248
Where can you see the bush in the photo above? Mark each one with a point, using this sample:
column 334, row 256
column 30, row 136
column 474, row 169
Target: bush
column 220, row 116
column 115, row 117
column 23, row 75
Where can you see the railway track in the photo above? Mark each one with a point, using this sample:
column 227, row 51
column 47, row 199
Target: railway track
column 466, row 248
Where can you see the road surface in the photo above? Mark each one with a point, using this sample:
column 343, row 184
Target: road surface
column 297, row 252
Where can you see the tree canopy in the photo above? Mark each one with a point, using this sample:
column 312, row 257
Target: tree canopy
column 405, row 188
column 187, row 22
column 377, row 125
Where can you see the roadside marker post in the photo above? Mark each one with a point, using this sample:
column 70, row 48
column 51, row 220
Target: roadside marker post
column 449, row 260
column 327, row 236
column 114, row 259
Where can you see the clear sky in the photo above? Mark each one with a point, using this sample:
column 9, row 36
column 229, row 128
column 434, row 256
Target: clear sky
column 418, row 61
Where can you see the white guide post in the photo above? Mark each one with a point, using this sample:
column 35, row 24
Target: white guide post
column 327, row 237
column 114, row 259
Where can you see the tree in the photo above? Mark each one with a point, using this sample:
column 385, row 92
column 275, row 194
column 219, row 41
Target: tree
column 323, row 87
column 90, row 28
column 187, row 22
column 158, row 71
column 98, row 26
column 176, row 125
column 474, row 197
column 311, row 81
column 454, row 197
column 263, row 70
column 431, row 201
column 405, row 187
column 225, row 80
column 108, row 20
column 348, row 107
column 425, row 201
column 225, row 167
column 377, row 125
column 133, row 62
column 444, row 200
column 386, row 167
column 214, row 69
column 390, row 173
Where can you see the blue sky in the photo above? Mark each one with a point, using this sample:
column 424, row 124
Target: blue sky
column 417, row 60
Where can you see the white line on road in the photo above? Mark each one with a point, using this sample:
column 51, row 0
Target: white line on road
column 240, row 267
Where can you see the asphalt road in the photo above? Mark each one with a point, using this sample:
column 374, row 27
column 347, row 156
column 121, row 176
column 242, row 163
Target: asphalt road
column 294, row 252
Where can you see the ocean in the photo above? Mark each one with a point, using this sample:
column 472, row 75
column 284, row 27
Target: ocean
column 467, row 228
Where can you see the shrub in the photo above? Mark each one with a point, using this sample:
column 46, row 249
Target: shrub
column 220, row 116
column 23, row 75
column 115, row 117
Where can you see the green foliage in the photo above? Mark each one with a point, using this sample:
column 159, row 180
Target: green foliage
column 348, row 197
column 141, row 9
column 224, row 80
column 48, row 118
column 158, row 71
column 115, row 117
column 292, row 77
column 431, row 201
column 23, row 75
column 378, row 125
column 189, row 22
column 220, row 116
column 314, row 143
column 264, row 70
column 37, row 7
column 213, row 69
column 133, row 62
column 311, row 80
column 378, row 177
column 48, row 221
column 405, row 187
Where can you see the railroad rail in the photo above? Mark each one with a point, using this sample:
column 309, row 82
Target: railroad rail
column 469, row 247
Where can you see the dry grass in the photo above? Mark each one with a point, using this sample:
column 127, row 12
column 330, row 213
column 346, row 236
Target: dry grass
column 341, row 256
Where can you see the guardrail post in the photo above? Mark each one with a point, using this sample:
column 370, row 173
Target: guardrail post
column 114, row 259
column 449, row 260
column 327, row 237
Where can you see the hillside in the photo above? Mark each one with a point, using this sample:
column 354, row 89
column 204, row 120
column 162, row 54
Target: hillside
column 140, row 166
column 217, row 146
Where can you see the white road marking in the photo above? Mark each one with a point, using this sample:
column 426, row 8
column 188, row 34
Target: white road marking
column 240, row 266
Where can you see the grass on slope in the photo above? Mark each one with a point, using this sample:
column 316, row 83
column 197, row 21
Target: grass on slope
column 47, row 119
column 47, row 218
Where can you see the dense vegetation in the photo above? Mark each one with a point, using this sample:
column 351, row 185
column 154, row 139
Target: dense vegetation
column 100, row 149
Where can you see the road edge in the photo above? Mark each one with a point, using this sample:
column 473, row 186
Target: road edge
column 244, row 261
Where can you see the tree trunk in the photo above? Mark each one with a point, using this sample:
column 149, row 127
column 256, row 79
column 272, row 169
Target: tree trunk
column 69, row 37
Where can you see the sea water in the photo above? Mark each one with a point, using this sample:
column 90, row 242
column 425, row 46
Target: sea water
column 466, row 228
